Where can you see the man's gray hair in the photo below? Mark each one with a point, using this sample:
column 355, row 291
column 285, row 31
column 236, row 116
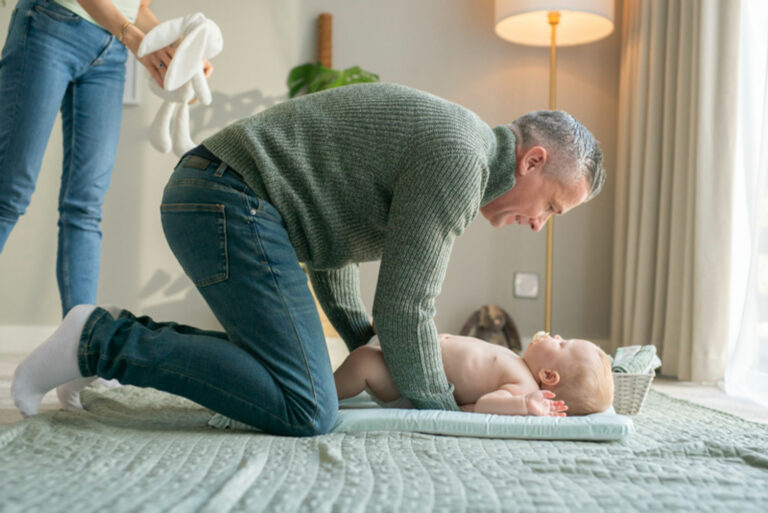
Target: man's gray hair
column 566, row 141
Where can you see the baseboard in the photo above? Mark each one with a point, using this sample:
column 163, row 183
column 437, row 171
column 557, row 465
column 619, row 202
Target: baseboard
column 22, row 339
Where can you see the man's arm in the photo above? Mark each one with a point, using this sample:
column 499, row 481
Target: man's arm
column 338, row 292
column 432, row 203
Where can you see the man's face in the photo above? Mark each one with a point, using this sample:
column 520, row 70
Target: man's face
column 535, row 196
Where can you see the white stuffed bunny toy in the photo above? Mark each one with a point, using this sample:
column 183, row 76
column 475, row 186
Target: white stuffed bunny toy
column 184, row 78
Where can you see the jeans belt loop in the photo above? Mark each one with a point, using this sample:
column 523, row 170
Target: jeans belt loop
column 220, row 170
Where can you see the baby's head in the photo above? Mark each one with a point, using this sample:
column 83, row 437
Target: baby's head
column 577, row 371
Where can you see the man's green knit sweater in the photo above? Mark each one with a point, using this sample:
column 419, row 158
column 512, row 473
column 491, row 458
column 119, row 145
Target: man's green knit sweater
column 376, row 171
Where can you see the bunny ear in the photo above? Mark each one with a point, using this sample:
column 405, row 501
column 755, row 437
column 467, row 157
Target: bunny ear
column 168, row 32
column 187, row 59
column 191, row 21
column 162, row 35
column 202, row 42
column 214, row 40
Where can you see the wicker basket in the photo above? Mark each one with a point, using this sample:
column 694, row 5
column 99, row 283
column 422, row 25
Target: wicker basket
column 630, row 391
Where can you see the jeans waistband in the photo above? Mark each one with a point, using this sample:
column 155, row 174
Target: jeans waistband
column 201, row 157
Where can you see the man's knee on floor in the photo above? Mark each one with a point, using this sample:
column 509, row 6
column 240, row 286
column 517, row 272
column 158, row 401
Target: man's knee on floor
column 318, row 420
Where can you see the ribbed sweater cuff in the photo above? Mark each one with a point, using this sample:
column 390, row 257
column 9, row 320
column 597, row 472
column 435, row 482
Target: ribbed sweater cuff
column 356, row 331
column 337, row 291
column 444, row 401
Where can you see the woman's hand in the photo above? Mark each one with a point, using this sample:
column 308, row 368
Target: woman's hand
column 540, row 403
column 157, row 63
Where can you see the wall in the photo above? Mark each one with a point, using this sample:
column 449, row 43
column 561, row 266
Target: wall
column 447, row 47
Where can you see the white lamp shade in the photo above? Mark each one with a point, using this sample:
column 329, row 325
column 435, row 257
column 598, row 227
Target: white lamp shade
column 526, row 22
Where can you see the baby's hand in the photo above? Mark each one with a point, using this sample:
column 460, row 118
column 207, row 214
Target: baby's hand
column 540, row 403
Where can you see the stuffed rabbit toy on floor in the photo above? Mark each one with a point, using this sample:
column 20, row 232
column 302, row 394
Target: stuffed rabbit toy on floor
column 493, row 324
column 184, row 79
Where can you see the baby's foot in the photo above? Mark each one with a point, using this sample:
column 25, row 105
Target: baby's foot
column 53, row 363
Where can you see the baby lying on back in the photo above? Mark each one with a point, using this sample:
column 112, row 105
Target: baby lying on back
column 488, row 378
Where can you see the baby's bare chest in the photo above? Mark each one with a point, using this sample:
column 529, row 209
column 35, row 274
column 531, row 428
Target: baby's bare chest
column 475, row 372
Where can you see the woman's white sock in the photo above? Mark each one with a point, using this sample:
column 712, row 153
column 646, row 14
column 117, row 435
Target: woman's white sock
column 53, row 363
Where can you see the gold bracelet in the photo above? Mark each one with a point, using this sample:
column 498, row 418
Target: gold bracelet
column 122, row 30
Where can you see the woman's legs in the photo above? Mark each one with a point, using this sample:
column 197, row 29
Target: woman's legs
column 34, row 74
column 50, row 52
column 91, row 113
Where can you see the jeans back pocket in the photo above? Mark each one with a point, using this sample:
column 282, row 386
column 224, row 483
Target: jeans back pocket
column 197, row 235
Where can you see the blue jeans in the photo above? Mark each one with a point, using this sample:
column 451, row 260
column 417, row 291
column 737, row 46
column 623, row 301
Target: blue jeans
column 271, row 368
column 53, row 59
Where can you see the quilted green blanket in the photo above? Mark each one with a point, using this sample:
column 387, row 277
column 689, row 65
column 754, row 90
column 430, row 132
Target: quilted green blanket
column 144, row 451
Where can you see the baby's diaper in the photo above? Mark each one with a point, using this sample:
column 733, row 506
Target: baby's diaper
column 400, row 402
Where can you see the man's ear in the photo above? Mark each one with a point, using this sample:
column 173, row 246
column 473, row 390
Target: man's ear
column 533, row 159
column 549, row 377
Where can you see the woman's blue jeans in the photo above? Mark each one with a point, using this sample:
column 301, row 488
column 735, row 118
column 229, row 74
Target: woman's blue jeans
column 271, row 368
column 53, row 59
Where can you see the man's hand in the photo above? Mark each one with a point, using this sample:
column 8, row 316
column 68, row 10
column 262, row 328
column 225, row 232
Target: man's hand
column 540, row 403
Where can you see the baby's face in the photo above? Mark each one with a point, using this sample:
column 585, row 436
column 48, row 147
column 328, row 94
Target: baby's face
column 555, row 352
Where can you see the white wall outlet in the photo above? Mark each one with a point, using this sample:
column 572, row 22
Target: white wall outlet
column 527, row 285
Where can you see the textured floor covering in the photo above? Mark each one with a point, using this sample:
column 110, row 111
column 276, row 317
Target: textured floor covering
column 139, row 450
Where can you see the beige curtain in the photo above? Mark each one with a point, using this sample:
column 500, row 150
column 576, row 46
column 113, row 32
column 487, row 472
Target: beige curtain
column 677, row 124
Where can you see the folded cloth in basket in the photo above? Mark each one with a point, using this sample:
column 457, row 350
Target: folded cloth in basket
column 636, row 359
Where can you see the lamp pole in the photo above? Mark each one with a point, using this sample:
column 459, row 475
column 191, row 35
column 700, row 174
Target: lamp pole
column 554, row 20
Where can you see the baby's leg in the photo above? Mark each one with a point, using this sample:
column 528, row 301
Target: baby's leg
column 365, row 368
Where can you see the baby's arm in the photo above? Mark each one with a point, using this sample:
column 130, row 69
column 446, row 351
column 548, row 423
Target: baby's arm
column 365, row 368
column 508, row 400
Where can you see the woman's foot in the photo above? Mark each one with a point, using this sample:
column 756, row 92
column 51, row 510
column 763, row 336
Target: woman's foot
column 53, row 363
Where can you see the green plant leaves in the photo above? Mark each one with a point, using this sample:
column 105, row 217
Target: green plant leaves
column 310, row 78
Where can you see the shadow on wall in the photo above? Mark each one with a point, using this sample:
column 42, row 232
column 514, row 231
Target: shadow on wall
column 166, row 294
column 226, row 109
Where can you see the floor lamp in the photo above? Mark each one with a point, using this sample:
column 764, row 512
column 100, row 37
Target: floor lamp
column 553, row 23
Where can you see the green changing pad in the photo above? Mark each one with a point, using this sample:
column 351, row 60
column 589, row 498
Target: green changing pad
column 360, row 414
